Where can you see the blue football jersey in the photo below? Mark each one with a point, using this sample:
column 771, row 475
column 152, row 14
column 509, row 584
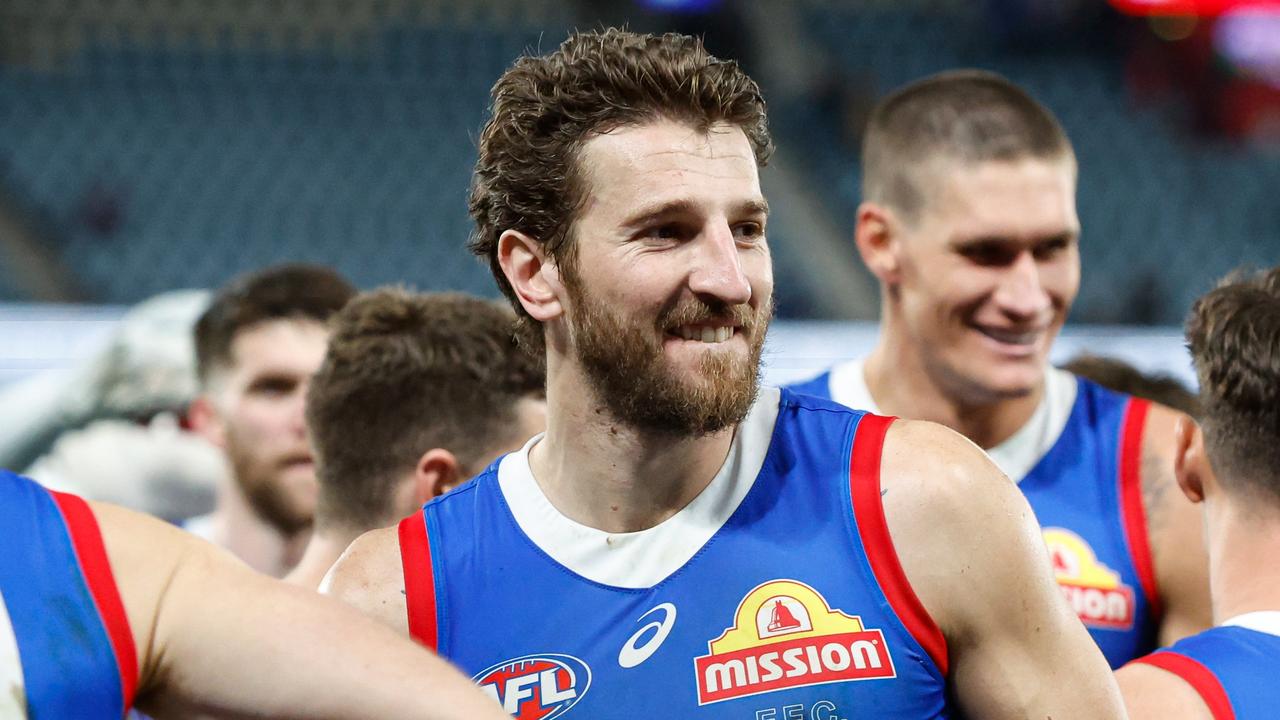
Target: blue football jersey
column 77, row 657
column 1086, row 491
column 1232, row 668
column 794, row 607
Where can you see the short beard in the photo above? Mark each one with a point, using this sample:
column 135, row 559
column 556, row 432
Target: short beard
column 264, row 492
column 628, row 371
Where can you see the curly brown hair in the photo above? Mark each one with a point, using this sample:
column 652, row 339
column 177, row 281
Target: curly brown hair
column 1234, row 336
column 546, row 107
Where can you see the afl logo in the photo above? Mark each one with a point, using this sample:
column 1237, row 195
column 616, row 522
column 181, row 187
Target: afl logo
column 536, row 687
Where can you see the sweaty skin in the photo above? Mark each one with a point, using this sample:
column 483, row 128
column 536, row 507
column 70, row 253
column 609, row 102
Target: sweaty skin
column 215, row 639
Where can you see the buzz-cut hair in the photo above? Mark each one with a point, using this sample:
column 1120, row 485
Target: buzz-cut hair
column 404, row 373
column 1233, row 333
column 961, row 116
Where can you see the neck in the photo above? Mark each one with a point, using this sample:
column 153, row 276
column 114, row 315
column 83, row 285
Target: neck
column 324, row 549
column 609, row 476
column 901, row 385
column 243, row 532
column 1242, row 538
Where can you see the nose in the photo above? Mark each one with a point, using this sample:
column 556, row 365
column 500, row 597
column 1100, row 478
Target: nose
column 298, row 410
column 717, row 267
column 1021, row 294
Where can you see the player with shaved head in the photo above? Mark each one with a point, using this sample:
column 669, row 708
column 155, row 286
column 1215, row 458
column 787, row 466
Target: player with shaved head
column 969, row 222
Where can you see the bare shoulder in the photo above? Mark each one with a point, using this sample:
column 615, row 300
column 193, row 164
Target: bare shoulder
column 942, row 473
column 369, row 576
column 146, row 555
column 1154, row 694
column 959, row 526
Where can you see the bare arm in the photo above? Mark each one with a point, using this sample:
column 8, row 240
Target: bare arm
column 1175, row 528
column 1154, row 694
column 370, row 578
column 972, row 551
column 215, row 638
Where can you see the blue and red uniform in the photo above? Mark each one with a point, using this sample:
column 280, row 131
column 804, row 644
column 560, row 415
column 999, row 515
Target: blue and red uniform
column 1084, row 482
column 64, row 612
column 1232, row 668
column 791, row 603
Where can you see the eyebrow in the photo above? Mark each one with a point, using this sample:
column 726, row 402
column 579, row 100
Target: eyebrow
column 1066, row 237
column 678, row 207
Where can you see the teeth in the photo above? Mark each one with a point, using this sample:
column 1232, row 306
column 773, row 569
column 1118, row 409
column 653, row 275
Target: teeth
column 705, row 334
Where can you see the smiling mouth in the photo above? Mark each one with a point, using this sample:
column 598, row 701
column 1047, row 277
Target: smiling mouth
column 1023, row 338
column 710, row 334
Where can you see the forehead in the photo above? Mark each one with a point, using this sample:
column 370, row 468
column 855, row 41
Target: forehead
column 1024, row 199
column 668, row 161
column 285, row 345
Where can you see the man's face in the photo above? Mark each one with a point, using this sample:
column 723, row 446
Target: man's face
column 259, row 404
column 672, row 290
column 988, row 273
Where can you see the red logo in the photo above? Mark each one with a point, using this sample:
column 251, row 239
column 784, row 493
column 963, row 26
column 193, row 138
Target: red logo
column 536, row 687
column 785, row 636
column 1094, row 591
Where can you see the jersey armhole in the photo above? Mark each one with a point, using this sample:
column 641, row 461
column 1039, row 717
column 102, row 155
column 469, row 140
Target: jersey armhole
column 1199, row 677
column 1131, row 506
column 873, row 529
column 419, row 579
column 91, row 553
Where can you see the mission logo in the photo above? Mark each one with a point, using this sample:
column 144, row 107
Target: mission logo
column 1095, row 591
column 785, row 635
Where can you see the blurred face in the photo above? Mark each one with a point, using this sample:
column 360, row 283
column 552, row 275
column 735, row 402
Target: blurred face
column 671, row 293
column 259, row 404
column 988, row 273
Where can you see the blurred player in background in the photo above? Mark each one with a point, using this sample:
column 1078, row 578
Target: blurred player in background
column 1118, row 375
column 1230, row 465
column 110, row 429
column 417, row 393
column 969, row 221
column 102, row 608
column 682, row 542
column 257, row 346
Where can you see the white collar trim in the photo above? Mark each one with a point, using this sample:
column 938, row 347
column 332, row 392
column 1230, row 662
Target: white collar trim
column 645, row 558
column 1263, row 621
column 1017, row 455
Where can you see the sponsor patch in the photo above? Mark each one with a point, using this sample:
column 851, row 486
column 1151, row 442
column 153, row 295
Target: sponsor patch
column 785, row 635
column 1094, row 591
column 536, row 687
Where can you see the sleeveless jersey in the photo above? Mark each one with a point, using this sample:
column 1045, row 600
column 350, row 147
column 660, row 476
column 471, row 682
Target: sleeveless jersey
column 795, row 607
column 65, row 616
column 1231, row 667
column 1086, row 491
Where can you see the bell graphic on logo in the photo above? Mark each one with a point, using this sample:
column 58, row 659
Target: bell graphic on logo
column 782, row 615
column 782, row 618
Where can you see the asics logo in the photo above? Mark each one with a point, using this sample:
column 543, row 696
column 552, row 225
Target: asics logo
column 633, row 652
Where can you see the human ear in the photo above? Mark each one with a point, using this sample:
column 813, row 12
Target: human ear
column 1189, row 462
column 436, row 473
column 532, row 273
column 876, row 236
